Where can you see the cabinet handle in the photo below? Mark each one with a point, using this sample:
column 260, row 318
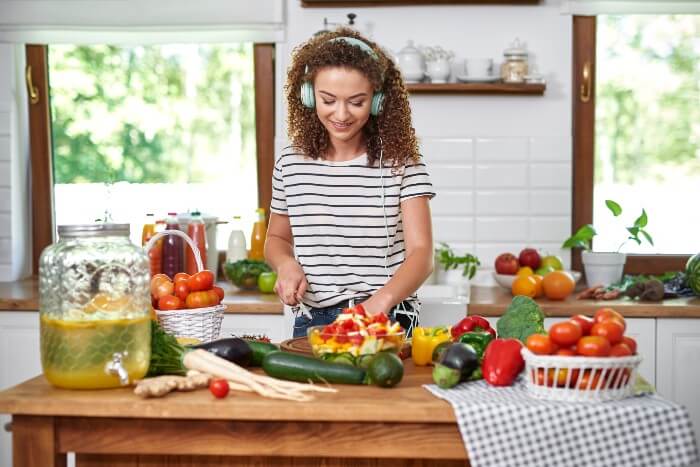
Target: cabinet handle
column 31, row 89
column 586, row 77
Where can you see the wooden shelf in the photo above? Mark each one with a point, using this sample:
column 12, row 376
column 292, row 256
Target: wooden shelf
column 476, row 88
column 371, row 3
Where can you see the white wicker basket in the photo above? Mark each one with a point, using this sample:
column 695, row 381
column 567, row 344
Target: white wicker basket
column 580, row 379
column 200, row 323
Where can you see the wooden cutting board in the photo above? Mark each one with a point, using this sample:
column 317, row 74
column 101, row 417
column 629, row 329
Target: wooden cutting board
column 301, row 345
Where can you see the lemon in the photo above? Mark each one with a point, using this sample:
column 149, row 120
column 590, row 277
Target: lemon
column 525, row 271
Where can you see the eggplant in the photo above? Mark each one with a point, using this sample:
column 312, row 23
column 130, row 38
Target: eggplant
column 233, row 349
column 456, row 364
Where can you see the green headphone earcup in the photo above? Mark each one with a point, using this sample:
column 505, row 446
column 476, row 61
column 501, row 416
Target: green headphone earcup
column 377, row 103
column 307, row 95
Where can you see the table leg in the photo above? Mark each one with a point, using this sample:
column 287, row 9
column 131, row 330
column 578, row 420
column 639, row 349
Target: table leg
column 34, row 442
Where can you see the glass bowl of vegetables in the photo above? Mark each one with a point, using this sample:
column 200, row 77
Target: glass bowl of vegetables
column 353, row 338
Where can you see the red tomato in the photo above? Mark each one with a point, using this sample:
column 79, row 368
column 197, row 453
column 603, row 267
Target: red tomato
column 585, row 322
column 181, row 276
column 566, row 352
column 203, row 280
column 620, row 350
column 631, row 343
column 357, row 339
column 593, row 346
column 219, row 291
column 566, row 333
column 379, row 318
column 585, row 380
column 213, row 297
column 169, row 302
column 161, row 286
column 612, row 330
column 219, row 388
column 181, row 290
column 540, row 344
column 198, row 300
column 607, row 314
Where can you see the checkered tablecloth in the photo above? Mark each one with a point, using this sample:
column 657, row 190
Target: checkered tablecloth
column 506, row 427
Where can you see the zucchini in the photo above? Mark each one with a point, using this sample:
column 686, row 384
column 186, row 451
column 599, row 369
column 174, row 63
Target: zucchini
column 296, row 367
column 259, row 350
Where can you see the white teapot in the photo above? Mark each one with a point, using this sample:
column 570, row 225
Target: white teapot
column 412, row 63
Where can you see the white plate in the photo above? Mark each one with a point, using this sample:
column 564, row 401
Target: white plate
column 506, row 280
column 478, row 79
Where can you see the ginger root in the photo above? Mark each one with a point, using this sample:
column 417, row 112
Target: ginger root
column 161, row 385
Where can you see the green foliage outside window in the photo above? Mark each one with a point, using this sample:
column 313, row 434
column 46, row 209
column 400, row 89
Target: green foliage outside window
column 150, row 114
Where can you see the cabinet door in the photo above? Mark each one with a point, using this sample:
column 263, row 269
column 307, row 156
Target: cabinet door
column 678, row 344
column 270, row 325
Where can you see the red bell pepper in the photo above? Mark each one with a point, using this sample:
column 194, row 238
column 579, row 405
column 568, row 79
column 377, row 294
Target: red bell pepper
column 473, row 323
column 502, row 362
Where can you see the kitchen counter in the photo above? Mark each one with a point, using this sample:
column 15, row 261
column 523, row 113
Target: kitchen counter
column 399, row 425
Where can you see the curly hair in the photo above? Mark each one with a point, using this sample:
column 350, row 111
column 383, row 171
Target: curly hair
column 391, row 130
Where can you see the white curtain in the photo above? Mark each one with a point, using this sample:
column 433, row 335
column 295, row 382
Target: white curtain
column 141, row 21
column 630, row 7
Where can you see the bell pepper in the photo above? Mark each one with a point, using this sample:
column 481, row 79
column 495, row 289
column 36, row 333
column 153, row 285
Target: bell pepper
column 502, row 362
column 472, row 323
column 424, row 342
column 479, row 340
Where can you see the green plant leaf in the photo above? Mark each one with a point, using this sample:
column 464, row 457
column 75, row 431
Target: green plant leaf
column 634, row 231
column 647, row 236
column 574, row 243
column 581, row 239
column 641, row 220
column 614, row 207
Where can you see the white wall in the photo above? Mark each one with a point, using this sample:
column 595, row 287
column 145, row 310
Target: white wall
column 501, row 165
column 5, row 161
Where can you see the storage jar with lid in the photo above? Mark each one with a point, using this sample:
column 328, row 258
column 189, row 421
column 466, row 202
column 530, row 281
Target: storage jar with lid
column 94, row 304
column 515, row 67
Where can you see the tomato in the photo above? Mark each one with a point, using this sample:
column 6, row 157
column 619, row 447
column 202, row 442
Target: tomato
column 219, row 388
column 631, row 343
column 181, row 290
column 161, row 286
column 198, row 300
column 540, row 344
column 593, row 346
column 585, row 322
column 213, row 297
column 219, row 291
column 607, row 314
column 169, row 302
column 357, row 339
column 379, row 318
column 566, row 352
column 586, row 379
column 203, row 280
column 181, row 276
column 612, row 330
column 566, row 333
column 620, row 350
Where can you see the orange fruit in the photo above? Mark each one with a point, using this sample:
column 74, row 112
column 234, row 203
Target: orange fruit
column 524, row 285
column 525, row 271
column 558, row 285
column 539, row 289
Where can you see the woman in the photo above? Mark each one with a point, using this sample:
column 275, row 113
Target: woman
column 349, row 218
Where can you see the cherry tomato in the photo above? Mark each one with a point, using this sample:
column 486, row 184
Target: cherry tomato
column 566, row 352
column 620, row 350
column 356, row 339
column 180, row 276
column 593, row 346
column 169, row 302
column 566, row 333
column 213, row 297
column 585, row 322
column 379, row 318
column 607, row 314
column 219, row 291
column 586, row 379
column 198, row 300
column 631, row 343
column 181, row 290
column 612, row 330
column 203, row 280
column 219, row 388
column 540, row 344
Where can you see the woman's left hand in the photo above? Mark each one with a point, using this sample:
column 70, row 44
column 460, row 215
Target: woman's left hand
column 373, row 306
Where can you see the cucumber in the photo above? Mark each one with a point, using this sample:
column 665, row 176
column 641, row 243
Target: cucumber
column 345, row 358
column 385, row 370
column 259, row 350
column 296, row 367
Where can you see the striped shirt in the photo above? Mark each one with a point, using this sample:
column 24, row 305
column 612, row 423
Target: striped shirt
column 340, row 224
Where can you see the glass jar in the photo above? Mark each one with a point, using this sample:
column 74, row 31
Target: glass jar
column 94, row 304
column 515, row 67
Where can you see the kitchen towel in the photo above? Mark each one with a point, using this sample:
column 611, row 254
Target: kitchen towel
column 506, row 427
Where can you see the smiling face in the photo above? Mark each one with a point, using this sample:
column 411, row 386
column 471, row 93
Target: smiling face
column 343, row 102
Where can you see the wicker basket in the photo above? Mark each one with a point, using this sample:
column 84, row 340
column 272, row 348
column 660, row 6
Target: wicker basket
column 580, row 379
column 203, row 324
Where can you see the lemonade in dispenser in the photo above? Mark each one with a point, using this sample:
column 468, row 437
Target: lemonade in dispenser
column 94, row 303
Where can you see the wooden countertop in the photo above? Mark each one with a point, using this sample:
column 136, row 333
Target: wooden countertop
column 408, row 402
column 493, row 301
column 24, row 296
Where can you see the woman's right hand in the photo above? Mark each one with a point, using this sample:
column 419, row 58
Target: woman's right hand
column 291, row 283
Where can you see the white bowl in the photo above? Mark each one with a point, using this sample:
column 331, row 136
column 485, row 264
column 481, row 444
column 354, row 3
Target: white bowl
column 506, row 280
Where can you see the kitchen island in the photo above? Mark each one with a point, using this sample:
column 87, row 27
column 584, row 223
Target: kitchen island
column 358, row 425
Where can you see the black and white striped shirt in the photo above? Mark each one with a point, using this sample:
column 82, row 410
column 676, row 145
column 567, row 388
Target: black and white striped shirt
column 339, row 225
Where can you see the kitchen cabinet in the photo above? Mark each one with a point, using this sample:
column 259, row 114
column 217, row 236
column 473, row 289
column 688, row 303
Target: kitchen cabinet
column 677, row 363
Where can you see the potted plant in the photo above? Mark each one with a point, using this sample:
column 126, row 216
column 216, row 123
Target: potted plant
column 455, row 270
column 606, row 267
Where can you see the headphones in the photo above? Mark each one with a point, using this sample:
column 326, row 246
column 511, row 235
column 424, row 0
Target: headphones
column 308, row 99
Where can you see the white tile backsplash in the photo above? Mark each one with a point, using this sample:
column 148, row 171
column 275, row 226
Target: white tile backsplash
column 501, row 176
column 550, row 149
column 446, row 176
column 4, row 122
column 490, row 203
column 5, row 250
column 5, row 199
column 453, row 229
column 4, row 173
column 549, row 229
column 550, row 202
column 4, row 148
column 501, row 149
column 448, row 150
column 550, row 175
column 5, row 225
column 453, row 203
column 501, row 229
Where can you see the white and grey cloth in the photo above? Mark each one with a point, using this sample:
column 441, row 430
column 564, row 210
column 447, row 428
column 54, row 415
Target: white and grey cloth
column 506, row 427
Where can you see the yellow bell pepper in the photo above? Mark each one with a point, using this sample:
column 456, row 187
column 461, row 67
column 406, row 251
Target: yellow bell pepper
column 424, row 342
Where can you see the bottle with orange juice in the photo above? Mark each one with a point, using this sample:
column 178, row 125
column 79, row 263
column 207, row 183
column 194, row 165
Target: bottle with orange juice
column 196, row 230
column 155, row 255
column 257, row 238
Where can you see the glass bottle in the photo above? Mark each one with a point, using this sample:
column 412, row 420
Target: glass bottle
column 155, row 255
column 172, row 248
column 196, row 230
column 515, row 67
column 257, row 238
column 237, row 249
column 94, row 304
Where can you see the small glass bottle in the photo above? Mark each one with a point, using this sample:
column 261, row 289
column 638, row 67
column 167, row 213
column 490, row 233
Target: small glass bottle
column 172, row 248
column 237, row 249
column 155, row 255
column 257, row 238
column 196, row 230
column 515, row 67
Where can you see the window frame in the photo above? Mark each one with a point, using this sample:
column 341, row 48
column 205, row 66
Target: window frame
column 42, row 216
column 583, row 115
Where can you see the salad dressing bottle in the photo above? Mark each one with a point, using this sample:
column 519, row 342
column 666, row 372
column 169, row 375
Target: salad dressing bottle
column 257, row 238
column 172, row 248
